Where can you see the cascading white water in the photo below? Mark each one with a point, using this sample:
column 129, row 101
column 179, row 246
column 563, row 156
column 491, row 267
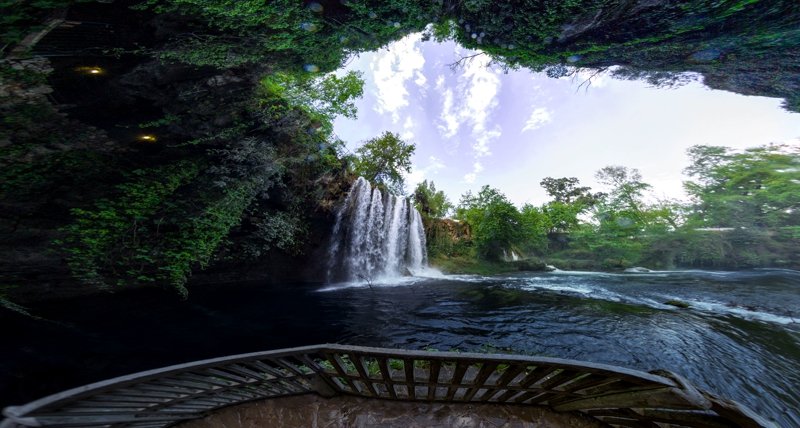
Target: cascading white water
column 375, row 236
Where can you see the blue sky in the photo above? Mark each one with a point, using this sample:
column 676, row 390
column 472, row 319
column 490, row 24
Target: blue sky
column 477, row 125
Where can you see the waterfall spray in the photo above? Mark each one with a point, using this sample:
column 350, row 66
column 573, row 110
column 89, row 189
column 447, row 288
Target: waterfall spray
column 375, row 236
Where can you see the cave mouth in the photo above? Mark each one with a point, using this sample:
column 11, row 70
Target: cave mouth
column 177, row 166
column 154, row 144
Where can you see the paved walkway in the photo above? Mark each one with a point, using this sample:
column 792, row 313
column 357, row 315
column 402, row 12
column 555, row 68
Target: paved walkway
column 313, row 411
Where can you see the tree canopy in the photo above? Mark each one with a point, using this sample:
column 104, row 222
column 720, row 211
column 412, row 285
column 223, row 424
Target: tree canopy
column 430, row 202
column 496, row 223
column 757, row 187
column 383, row 160
column 325, row 96
column 744, row 212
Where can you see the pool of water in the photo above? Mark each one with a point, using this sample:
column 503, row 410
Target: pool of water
column 739, row 337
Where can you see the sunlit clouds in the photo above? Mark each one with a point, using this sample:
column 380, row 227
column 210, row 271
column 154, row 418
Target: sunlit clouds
column 476, row 124
column 424, row 172
column 470, row 104
column 538, row 118
column 391, row 70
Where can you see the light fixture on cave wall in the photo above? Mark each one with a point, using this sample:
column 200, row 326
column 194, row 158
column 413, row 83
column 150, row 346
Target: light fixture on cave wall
column 91, row 70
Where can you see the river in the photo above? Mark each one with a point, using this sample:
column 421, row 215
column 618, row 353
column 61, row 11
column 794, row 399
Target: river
column 739, row 337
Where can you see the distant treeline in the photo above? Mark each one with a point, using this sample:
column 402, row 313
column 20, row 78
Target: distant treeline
column 744, row 212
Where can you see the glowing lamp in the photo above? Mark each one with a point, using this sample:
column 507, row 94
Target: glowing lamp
column 94, row 71
column 148, row 138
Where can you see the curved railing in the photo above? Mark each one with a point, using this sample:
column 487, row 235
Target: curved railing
column 164, row 397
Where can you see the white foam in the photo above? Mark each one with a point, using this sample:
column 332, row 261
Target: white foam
column 742, row 312
column 539, row 283
column 428, row 272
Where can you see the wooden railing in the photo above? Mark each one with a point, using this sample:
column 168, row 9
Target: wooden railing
column 164, row 397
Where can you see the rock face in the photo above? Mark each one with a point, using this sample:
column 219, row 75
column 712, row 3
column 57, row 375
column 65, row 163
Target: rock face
column 751, row 49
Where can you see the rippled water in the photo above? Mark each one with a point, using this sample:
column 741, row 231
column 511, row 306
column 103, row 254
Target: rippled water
column 740, row 337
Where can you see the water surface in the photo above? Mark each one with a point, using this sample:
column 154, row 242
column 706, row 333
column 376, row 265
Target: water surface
column 740, row 337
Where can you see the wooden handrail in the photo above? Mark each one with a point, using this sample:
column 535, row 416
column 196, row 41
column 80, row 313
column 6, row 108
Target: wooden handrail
column 170, row 395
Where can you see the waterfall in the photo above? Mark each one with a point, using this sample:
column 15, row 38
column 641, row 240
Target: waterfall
column 512, row 258
column 375, row 236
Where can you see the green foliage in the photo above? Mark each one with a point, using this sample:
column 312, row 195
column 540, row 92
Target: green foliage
column 536, row 224
column 275, row 229
column 431, row 203
column 164, row 121
column 757, row 187
column 97, row 240
column 746, row 213
column 495, row 222
column 382, row 161
column 624, row 203
column 561, row 217
column 569, row 201
column 195, row 240
column 292, row 35
column 325, row 96
column 567, row 190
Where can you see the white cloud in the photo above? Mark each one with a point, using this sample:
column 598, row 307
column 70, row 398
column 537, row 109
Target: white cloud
column 440, row 82
column 477, row 168
column 418, row 174
column 449, row 116
column 391, row 69
column 539, row 117
column 408, row 129
column 471, row 106
column 421, row 80
column 482, row 140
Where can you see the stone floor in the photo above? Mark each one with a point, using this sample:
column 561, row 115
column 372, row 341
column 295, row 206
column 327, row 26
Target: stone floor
column 313, row 411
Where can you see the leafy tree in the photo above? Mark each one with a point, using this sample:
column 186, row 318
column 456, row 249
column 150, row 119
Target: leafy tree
column 495, row 221
column 757, row 187
column 382, row 161
column 566, row 190
column 570, row 200
column 562, row 217
column 627, row 190
column 430, row 202
column 328, row 95
column 536, row 225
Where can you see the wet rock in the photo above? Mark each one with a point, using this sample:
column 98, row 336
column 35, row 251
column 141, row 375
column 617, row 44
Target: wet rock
column 677, row 304
column 222, row 80
column 637, row 269
column 706, row 55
